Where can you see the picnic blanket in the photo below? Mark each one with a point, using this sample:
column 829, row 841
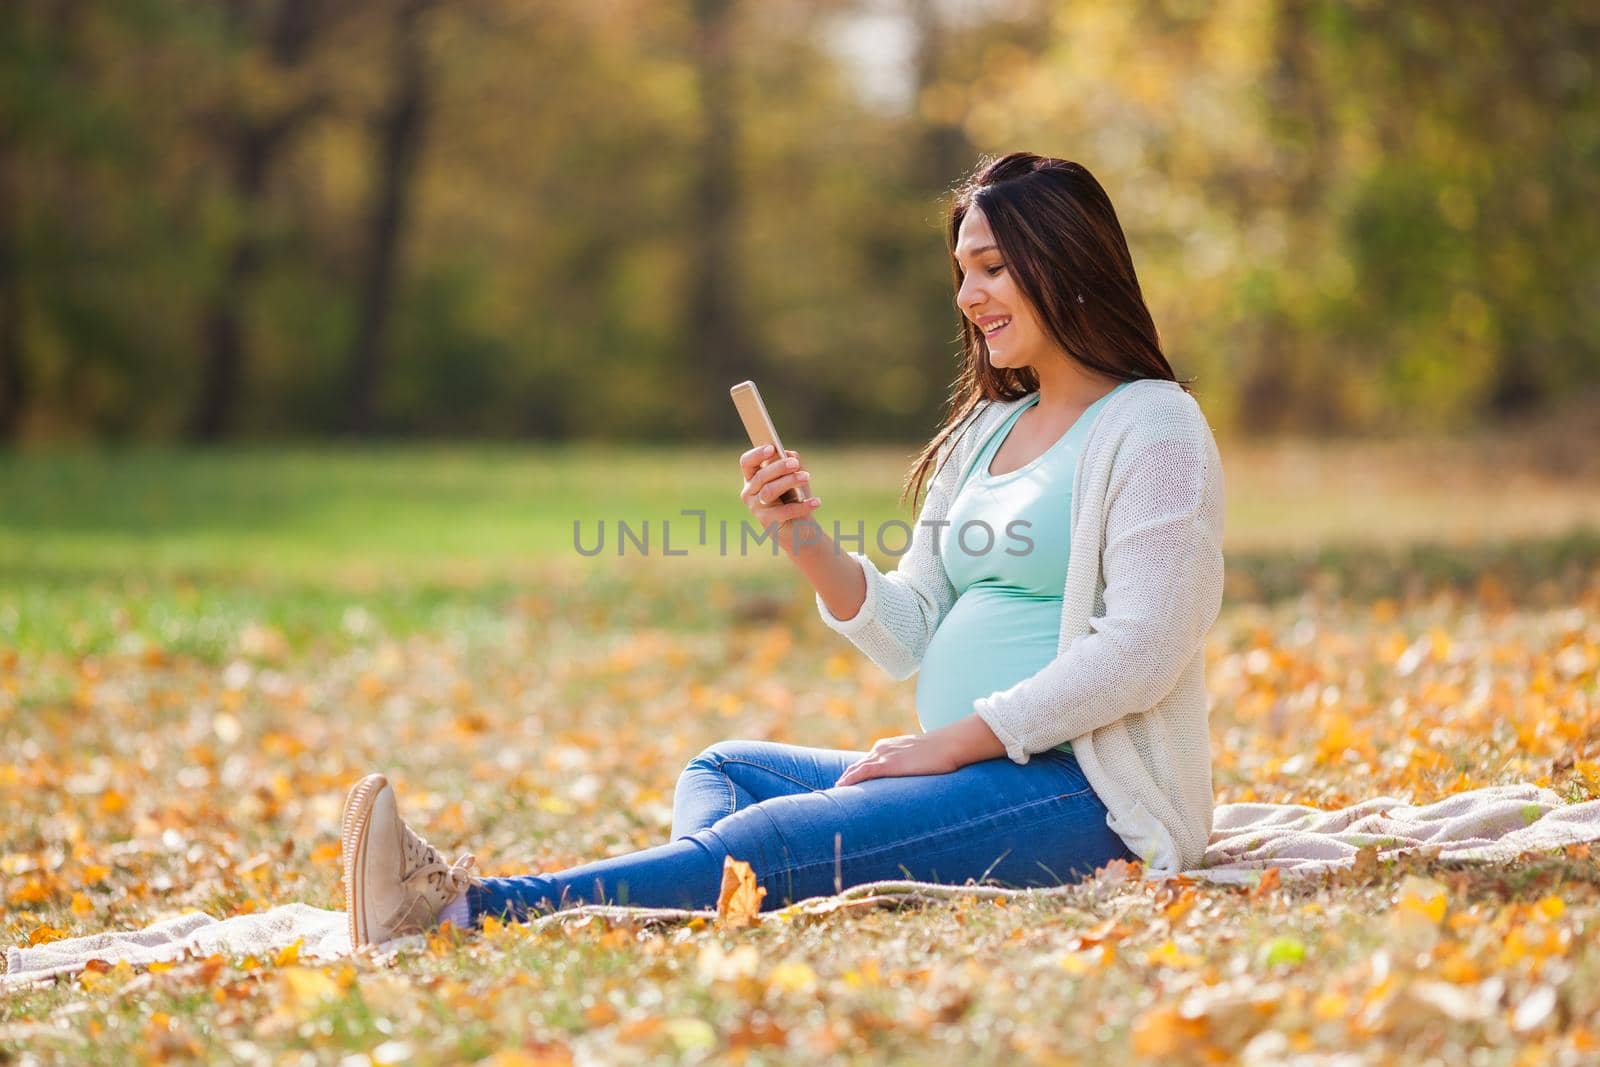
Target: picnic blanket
column 1496, row 824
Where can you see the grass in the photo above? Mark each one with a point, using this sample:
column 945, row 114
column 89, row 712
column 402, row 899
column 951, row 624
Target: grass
column 199, row 652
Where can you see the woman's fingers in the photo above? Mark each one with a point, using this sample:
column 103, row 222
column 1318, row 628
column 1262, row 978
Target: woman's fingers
column 784, row 512
column 765, row 484
column 861, row 771
column 769, row 492
column 752, row 460
column 766, row 480
column 760, row 461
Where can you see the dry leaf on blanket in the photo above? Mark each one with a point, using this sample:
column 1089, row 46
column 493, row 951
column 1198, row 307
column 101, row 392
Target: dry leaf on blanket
column 1364, row 867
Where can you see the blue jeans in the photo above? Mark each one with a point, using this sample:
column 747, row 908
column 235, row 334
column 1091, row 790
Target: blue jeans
column 776, row 807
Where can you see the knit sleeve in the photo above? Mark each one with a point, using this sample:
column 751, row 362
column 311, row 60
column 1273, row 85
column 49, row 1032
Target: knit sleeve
column 1162, row 564
column 904, row 607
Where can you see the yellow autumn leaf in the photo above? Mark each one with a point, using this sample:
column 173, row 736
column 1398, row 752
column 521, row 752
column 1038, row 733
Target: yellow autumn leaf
column 287, row 955
column 739, row 901
column 306, row 987
column 1328, row 1006
column 1422, row 897
column 691, row 1034
column 44, row 933
column 1167, row 954
column 866, row 974
column 115, row 977
column 792, row 976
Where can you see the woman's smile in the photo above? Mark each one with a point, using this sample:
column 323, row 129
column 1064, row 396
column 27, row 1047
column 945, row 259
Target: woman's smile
column 992, row 325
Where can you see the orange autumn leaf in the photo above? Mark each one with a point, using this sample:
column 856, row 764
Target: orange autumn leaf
column 1107, row 930
column 1270, row 878
column 739, row 902
column 1182, row 906
column 44, row 933
column 32, row 890
column 1163, row 1032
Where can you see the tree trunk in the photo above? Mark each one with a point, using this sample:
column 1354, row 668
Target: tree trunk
column 945, row 153
column 400, row 145
column 254, row 147
column 13, row 379
column 719, row 347
column 1268, row 393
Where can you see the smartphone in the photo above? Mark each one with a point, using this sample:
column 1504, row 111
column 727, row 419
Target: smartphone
column 758, row 424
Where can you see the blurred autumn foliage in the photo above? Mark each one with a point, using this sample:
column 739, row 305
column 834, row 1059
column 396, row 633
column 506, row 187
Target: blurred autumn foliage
column 561, row 219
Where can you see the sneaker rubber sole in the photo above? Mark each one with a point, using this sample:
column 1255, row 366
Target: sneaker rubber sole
column 353, row 850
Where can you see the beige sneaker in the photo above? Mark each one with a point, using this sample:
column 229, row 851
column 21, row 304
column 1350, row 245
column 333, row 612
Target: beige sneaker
column 395, row 883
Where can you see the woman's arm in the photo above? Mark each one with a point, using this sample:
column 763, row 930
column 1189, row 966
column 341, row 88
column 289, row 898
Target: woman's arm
column 838, row 579
column 940, row 751
column 890, row 616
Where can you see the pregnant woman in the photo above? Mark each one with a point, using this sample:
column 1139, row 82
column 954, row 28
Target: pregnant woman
column 1055, row 597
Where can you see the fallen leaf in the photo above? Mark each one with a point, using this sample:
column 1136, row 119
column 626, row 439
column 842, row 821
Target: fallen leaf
column 287, row 955
column 306, row 987
column 739, row 902
column 792, row 976
column 1266, row 883
column 44, row 933
column 1167, row 954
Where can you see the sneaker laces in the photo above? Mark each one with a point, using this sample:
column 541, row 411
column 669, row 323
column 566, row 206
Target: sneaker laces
column 429, row 881
column 433, row 886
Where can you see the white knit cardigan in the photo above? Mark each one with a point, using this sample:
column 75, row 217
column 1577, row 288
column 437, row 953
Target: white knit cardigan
column 1143, row 585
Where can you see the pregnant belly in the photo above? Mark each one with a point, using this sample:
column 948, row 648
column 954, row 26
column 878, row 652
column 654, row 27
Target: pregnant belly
column 990, row 640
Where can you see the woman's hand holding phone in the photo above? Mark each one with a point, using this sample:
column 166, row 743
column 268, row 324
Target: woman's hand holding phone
column 766, row 480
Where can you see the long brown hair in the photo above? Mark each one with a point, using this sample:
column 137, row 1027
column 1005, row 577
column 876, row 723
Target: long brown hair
column 1060, row 239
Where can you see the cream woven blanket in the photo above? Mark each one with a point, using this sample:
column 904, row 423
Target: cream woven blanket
column 1496, row 824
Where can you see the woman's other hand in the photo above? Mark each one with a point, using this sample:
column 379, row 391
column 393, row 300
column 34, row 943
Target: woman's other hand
column 897, row 757
column 767, row 479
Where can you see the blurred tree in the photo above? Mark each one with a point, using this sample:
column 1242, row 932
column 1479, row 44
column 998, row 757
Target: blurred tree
column 275, row 102
column 1344, row 216
column 400, row 137
column 13, row 383
column 715, row 319
column 1475, row 216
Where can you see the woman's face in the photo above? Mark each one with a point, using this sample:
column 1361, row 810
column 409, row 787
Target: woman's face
column 990, row 298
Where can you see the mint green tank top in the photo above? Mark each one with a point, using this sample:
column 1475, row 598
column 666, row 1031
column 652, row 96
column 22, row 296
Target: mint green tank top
column 1006, row 551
